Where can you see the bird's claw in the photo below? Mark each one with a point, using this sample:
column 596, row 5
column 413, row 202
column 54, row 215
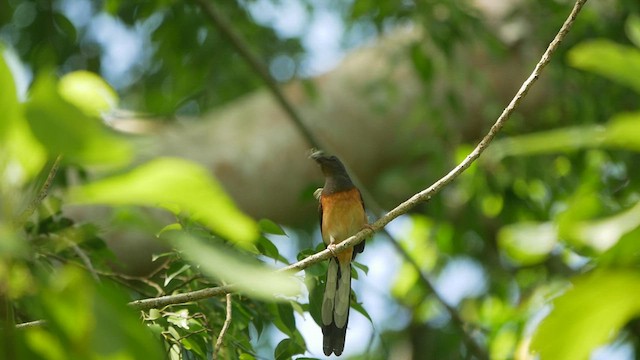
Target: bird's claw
column 332, row 249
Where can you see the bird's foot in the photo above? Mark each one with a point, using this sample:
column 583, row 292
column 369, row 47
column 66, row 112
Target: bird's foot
column 369, row 227
column 332, row 249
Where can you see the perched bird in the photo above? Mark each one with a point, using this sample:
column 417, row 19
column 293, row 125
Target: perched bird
column 342, row 215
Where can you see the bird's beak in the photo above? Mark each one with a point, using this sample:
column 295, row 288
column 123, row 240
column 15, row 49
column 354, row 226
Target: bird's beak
column 318, row 156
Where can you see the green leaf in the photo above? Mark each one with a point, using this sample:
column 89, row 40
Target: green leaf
column 269, row 227
column 173, row 182
column 616, row 62
column 632, row 27
column 171, row 276
column 267, row 248
column 602, row 234
column 64, row 129
column 17, row 143
column 9, row 99
column 88, row 92
column 359, row 308
column 528, row 243
column 93, row 320
column 287, row 348
column 179, row 318
column 154, row 314
column 360, row 266
column 285, row 313
column 247, row 274
column 588, row 315
column 623, row 131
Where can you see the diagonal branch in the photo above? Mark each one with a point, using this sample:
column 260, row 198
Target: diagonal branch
column 401, row 209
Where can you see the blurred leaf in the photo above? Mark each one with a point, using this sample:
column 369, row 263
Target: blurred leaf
column 9, row 99
column 88, row 92
column 616, row 62
column 621, row 132
column 604, row 233
column 528, row 243
column 422, row 63
column 64, row 129
column 22, row 155
column 632, row 27
column 547, row 142
column 626, row 252
column 269, row 227
column 249, row 276
column 174, row 182
column 588, row 315
column 92, row 319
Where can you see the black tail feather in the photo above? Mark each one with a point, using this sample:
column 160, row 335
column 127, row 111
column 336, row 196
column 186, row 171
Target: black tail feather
column 333, row 341
column 333, row 336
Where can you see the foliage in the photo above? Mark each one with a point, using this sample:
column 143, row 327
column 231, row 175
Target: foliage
column 549, row 217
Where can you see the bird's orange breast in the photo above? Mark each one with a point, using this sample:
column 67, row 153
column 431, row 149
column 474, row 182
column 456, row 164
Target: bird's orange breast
column 342, row 216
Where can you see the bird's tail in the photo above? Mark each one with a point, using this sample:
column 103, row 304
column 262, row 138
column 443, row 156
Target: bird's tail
column 335, row 306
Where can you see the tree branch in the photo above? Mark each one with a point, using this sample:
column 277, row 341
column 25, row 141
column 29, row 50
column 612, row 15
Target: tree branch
column 225, row 327
column 407, row 205
column 401, row 209
column 31, row 324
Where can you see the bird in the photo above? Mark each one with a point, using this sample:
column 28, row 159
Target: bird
column 342, row 214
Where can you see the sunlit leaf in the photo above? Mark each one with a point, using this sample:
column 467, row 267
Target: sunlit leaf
column 9, row 99
column 64, row 129
column 602, row 234
column 174, row 182
column 528, row 243
column 547, row 142
column 616, row 62
column 22, row 155
column 248, row 275
column 588, row 315
column 632, row 27
column 623, row 131
column 93, row 319
column 89, row 92
column 626, row 252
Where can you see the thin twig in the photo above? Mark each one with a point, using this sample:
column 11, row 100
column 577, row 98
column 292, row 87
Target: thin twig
column 83, row 257
column 44, row 191
column 405, row 206
column 31, row 324
column 225, row 327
